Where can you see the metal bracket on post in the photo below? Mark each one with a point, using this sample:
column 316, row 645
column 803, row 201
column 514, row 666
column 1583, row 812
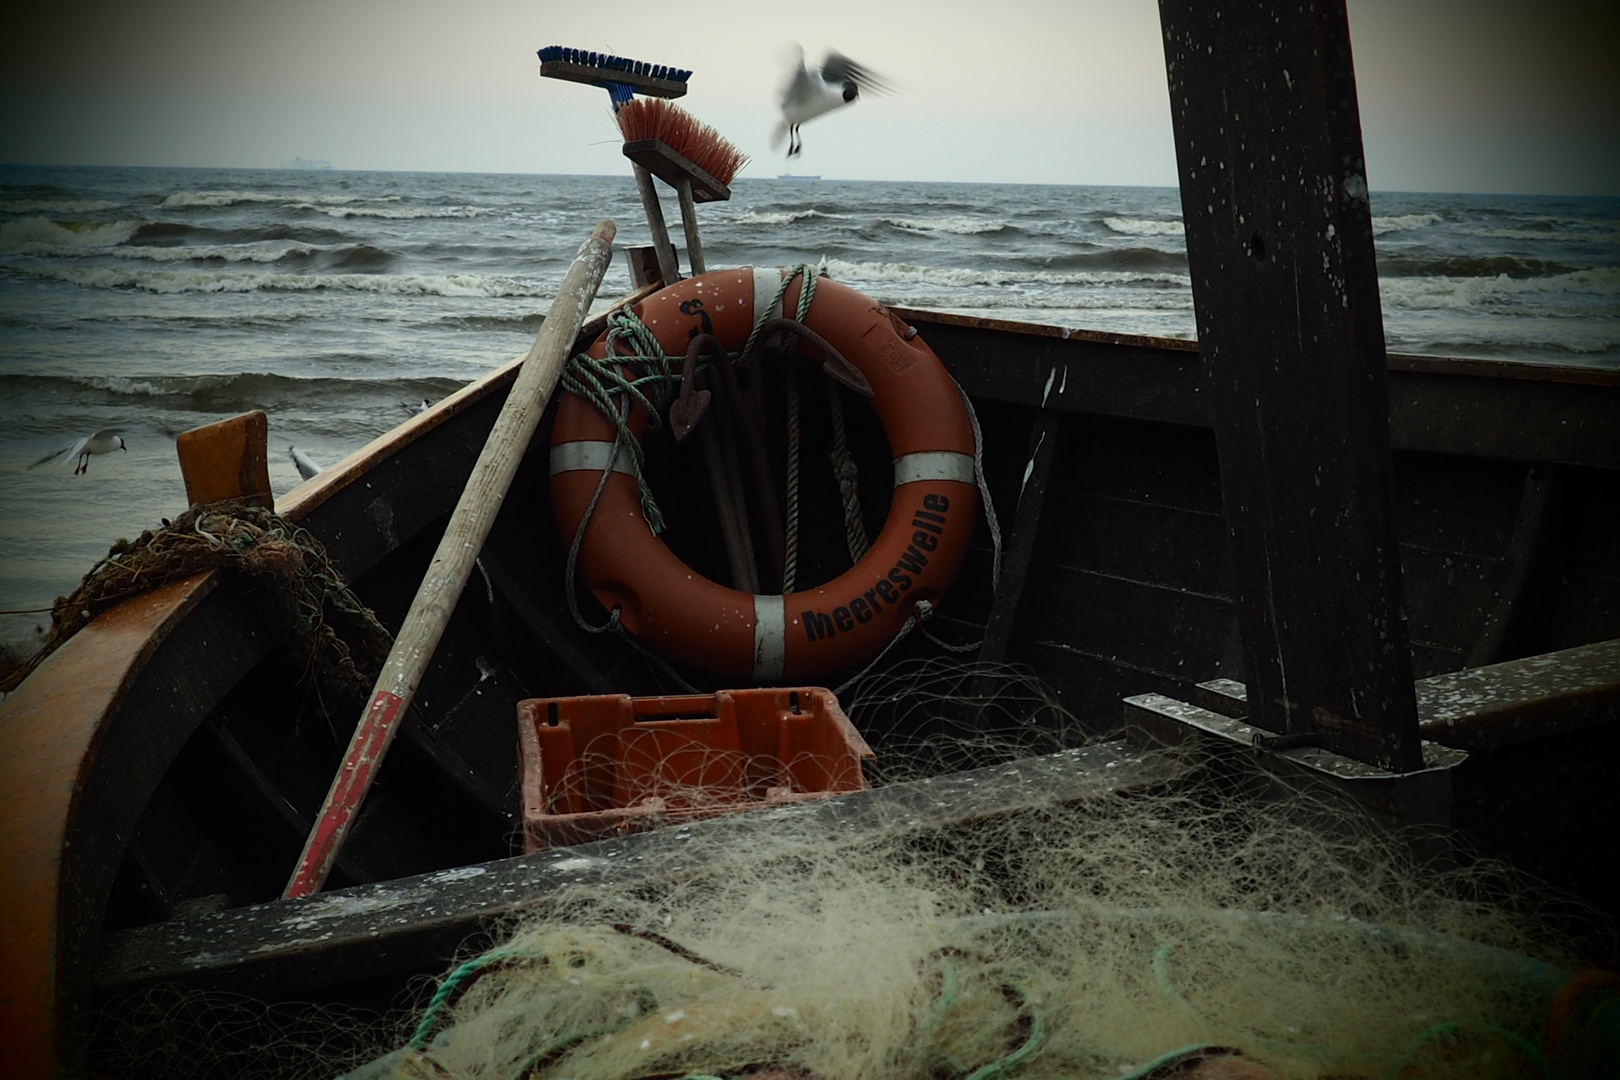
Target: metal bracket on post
column 1416, row 802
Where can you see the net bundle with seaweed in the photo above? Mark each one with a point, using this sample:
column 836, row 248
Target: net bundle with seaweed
column 1179, row 928
column 334, row 635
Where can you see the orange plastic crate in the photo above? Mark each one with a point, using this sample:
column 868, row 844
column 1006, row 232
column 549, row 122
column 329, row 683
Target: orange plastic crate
column 599, row 766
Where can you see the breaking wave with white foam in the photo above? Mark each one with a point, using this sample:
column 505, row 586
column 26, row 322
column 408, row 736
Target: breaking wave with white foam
column 908, row 272
column 1401, row 222
column 1127, row 226
column 1546, row 292
column 777, row 217
column 961, row 226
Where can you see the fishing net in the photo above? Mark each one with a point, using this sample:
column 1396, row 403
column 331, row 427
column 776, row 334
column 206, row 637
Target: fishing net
column 333, row 635
column 1181, row 929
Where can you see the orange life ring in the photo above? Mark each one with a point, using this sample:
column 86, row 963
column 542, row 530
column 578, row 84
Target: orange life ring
column 804, row 635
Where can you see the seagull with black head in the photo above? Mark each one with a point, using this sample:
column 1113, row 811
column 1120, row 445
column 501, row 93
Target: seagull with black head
column 104, row 441
column 839, row 81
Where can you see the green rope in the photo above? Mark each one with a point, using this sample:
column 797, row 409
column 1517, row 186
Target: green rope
column 448, row 988
column 1006, row 1066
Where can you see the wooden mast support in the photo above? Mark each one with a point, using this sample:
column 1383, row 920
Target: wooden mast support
column 1279, row 245
column 463, row 539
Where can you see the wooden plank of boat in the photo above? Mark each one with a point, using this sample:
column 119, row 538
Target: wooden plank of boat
column 404, row 925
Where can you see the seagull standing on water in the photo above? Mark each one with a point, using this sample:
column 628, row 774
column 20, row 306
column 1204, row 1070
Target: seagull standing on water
column 808, row 94
column 104, row 441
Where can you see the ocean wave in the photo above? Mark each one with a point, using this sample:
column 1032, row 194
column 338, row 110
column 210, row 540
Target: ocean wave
column 1542, row 235
column 777, row 217
column 39, row 236
column 392, row 211
column 168, row 233
column 59, row 206
column 243, row 390
column 200, row 253
column 1468, row 266
column 1144, row 226
column 529, row 323
column 931, row 275
column 231, row 198
column 1460, row 292
column 960, row 226
column 1382, row 225
column 207, row 281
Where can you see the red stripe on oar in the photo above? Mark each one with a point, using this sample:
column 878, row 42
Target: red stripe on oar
column 353, row 779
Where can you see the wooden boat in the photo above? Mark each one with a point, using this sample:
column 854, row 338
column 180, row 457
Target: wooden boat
column 161, row 770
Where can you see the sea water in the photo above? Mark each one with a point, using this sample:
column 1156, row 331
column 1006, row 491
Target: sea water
column 155, row 300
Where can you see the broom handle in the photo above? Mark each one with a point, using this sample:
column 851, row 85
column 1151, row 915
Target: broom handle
column 655, row 224
column 452, row 563
column 694, row 245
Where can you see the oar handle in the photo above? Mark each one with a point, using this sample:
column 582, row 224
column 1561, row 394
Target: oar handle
column 452, row 564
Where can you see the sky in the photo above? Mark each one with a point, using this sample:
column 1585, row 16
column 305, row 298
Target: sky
column 1513, row 96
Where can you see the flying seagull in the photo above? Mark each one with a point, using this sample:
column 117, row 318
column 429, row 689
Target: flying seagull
column 808, row 94
column 104, row 441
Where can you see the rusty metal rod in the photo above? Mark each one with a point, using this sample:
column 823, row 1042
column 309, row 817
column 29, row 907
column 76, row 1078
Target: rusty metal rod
column 738, row 544
column 748, row 410
column 726, row 434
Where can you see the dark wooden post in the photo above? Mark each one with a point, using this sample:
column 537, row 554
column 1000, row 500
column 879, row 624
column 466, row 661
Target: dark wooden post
column 1279, row 243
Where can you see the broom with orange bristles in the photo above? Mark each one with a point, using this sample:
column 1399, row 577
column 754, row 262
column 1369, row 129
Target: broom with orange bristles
column 668, row 123
column 664, row 140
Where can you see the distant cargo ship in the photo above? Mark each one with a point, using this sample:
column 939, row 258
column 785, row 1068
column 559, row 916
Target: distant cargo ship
column 795, row 176
column 318, row 164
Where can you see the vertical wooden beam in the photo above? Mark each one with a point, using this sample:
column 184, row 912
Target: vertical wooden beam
column 1279, row 244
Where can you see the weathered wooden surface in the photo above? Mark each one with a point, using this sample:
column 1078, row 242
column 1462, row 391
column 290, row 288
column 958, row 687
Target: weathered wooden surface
column 1420, row 797
column 1519, row 700
column 1285, row 286
column 403, row 925
column 673, row 167
column 227, row 460
column 1497, row 705
column 647, row 85
column 1484, row 408
column 50, row 723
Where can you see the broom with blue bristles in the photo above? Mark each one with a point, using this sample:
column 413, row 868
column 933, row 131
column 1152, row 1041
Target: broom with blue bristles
column 661, row 139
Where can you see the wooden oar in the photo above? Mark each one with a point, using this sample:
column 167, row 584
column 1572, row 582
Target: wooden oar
column 453, row 562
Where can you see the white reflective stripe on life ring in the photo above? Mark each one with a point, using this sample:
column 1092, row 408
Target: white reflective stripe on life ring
column 933, row 465
column 770, row 636
column 590, row 454
column 766, row 282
